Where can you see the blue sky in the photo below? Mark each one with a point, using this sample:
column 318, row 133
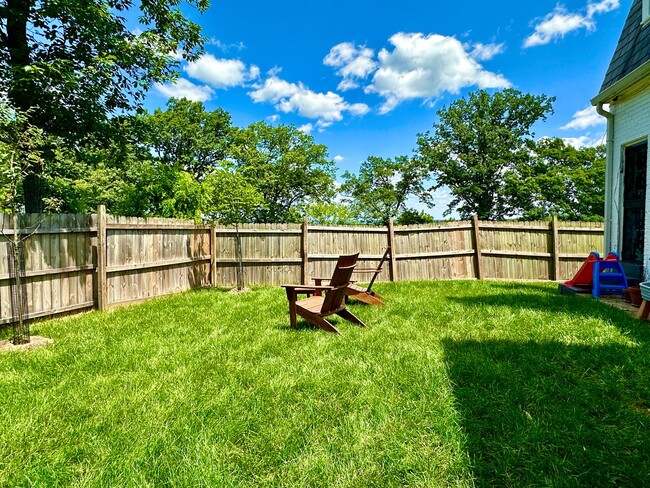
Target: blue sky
column 364, row 77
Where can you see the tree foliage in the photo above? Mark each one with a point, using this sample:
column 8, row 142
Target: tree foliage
column 383, row 186
column 478, row 142
column 561, row 180
column 20, row 152
column 328, row 213
column 72, row 64
column 285, row 165
column 187, row 137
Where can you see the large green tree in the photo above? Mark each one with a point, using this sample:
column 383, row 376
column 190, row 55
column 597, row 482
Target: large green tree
column 187, row 137
column 383, row 187
column 73, row 64
column 477, row 142
column 561, row 180
column 286, row 167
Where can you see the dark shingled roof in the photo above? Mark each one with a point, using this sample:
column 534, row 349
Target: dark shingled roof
column 633, row 47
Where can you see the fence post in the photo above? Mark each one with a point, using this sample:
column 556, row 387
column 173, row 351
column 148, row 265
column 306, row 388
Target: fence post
column 476, row 238
column 102, row 292
column 213, row 255
column 393, row 251
column 304, row 250
column 556, row 249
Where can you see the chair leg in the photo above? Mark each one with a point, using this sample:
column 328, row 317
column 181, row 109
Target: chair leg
column 369, row 299
column 291, row 297
column 318, row 321
column 349, row 316
column 644, row 311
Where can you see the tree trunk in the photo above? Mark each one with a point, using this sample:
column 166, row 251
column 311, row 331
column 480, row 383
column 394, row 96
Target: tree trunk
column 22, row 88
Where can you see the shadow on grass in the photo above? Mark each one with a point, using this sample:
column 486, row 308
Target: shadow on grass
column 553, row 303
column 553, row 414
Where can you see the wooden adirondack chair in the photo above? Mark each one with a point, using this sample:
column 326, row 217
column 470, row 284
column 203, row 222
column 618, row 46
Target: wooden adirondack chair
column 364, row 294
column 315, row 308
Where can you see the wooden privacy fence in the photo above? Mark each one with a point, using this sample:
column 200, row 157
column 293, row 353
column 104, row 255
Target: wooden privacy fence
column 76, row 262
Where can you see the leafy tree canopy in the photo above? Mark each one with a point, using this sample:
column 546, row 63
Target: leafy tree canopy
column 187, row 137
column 561, row 180
column 285, row 165
column 72, row 64
column 383, row 186
column 477, row 142
column 328, row 213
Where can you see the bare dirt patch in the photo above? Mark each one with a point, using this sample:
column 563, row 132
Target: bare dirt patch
column 35, row 343
column 237, row 290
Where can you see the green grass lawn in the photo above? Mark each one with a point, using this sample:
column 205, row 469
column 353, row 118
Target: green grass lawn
column 453, row 383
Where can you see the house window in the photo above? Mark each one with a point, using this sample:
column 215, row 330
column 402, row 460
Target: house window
column 645, row 12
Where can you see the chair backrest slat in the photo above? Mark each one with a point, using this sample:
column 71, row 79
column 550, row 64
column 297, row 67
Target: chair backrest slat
column 381, row 263
column 340, row 279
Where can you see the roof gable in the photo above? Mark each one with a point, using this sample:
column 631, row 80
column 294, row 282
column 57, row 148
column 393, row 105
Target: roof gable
column 633, row 48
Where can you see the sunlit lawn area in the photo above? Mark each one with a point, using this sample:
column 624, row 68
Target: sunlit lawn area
column 453, row 383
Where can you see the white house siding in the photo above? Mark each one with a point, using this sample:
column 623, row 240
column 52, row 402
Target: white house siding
column 631, row 125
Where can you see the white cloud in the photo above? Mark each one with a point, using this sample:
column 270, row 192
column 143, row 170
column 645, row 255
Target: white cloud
column 221, row 73
column 338, row 158
column 183, row 88
column 306, row 128
column 358, row 109
column 582, row 119
column 325, row 106
column 560, row 22
column 273, row 118
column 584, row 141
column 485, row 52
column 425, row 67
column 602, row 7
column 274, row 89
column 323, row 124
column 291, row 97
column 237, row 46
column 556, row 25
column 353, row 63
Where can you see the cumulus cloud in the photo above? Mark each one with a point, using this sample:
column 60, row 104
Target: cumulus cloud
column 602, row 7
column 424, row 67
column 273, row 118
column 306, row 128
column 183, row 88
column 352, row 62
column 274, row 89
column 221, row 73
column 584, row 141
column 296, row 97
column 225, row 47
column 338, row 158
column 485, row 52
column 358, row 109
column 582, row 119
column 556, row 24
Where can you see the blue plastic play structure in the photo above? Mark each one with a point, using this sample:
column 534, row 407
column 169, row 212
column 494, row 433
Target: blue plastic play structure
column 608, row 275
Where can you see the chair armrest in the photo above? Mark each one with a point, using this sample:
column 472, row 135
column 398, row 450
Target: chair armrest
column 306, row 288
column 367, row 270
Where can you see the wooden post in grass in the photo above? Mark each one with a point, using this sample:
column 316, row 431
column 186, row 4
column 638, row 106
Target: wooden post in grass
column 213, row 255
column 393, row 251
column 555, row 246
column 102, row 292
column 476, row 240
column 304, row 250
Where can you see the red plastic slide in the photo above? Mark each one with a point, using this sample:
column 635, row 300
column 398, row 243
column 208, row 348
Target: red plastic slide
column 585, row 275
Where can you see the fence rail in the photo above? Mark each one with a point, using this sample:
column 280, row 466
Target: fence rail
column 76, row 262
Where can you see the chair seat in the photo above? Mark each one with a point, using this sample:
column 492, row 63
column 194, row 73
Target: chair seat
column 311, row 304
column 356, row 288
